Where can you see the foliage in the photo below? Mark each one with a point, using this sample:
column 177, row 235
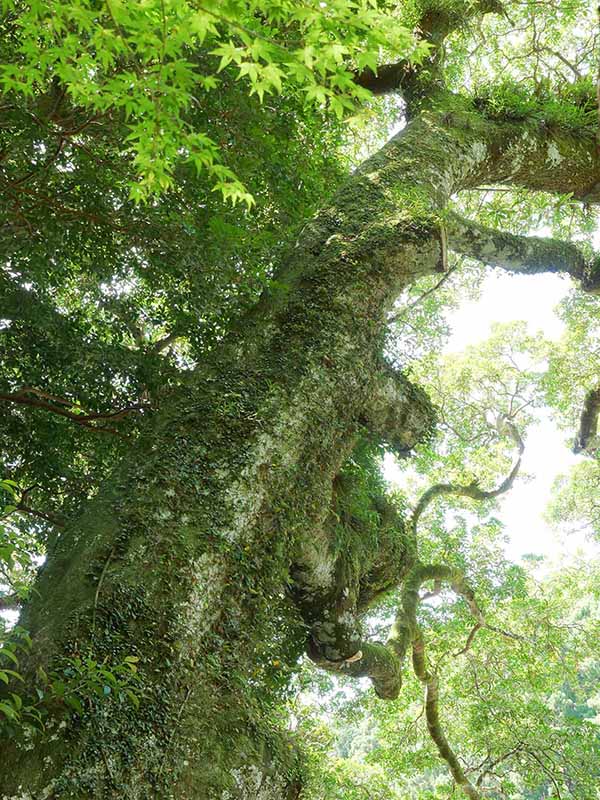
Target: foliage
column 125, row 127
column 518, row 700
column 150, row 62
column 74, row 688
column 524, row 710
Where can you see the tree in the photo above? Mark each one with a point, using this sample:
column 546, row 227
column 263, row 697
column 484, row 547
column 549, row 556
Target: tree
column 211, row 381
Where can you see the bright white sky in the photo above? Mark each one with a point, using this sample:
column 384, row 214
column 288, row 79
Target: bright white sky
column 547, row 450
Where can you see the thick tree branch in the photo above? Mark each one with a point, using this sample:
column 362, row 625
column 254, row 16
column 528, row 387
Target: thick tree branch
column 588, row 422
column 528, row 255
column 388, row 79
column 399, row 413
column 434, row 27
column 372, row 660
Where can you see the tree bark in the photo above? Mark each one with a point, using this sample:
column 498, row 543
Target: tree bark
column 210, row 553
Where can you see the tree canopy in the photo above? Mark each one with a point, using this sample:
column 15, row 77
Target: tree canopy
column 224, row 300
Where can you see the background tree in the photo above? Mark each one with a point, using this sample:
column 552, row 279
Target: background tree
column 197, row 395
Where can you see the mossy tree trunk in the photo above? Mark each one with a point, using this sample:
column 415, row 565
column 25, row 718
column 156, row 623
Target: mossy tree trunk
column 210, row 553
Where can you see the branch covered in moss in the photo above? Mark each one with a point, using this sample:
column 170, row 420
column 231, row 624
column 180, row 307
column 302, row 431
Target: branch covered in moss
column 432, row 714
column 399, row 413
column 528, row 255
column 588, row 422
column 436, row 23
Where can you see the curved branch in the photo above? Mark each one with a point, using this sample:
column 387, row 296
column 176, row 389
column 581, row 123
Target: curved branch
column 459, row 584
column 472, row 489
column 373, row 660
column 383, row 663
column 456, row 579
column 470, row 639
column 432, row 715
column 406, row 632
column 403, row 311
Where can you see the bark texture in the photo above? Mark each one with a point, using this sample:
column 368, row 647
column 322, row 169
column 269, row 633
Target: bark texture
column 214, row 554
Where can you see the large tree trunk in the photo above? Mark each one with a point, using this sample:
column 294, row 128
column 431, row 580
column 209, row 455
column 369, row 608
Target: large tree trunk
column 210, row 553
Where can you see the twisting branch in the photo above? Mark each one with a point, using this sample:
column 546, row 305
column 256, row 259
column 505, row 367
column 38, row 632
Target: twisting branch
column 472, row 489
column 406, row 632
column 455, row 577
column 383, row 663
column 432, row 715
column 336, row 644
column 56, row 405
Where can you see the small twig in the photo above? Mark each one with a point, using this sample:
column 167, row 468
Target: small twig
column 497, row 761
column 420, row 298
column 477, row 627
